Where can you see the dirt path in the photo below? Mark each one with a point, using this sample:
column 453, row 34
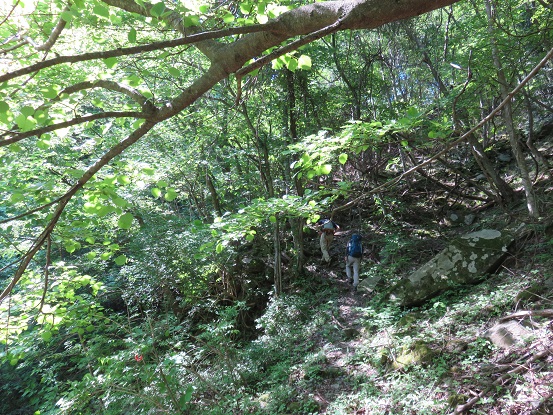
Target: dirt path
column 340, row 363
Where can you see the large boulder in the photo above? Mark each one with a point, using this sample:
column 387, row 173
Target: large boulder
column 467, row 260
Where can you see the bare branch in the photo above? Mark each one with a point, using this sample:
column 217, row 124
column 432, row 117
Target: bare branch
column 527, row 313
column 56, row 32
column 134, row 94
column 75, row 121
column 10, row 13
column 30, row 212
column 134, row 50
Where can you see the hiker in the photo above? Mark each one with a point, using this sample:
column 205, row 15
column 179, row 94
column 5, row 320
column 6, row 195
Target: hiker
column 354, row 254
column 327, row 228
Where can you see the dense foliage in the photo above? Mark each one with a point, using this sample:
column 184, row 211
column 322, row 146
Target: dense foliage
column 162, row 167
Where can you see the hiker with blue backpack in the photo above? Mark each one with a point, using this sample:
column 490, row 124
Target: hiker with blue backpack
column 354, row 254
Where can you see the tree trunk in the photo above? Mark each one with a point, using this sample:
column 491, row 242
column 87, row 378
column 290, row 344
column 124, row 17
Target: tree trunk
column 540, row 159
column 290, row 124
column 277, row 258
column 508, row 118
column 213, row 192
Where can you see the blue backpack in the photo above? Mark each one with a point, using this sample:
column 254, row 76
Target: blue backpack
column 355, row 248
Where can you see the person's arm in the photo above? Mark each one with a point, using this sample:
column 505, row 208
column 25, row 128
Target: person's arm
column 346, row 253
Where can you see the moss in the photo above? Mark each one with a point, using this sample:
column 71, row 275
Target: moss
column 419, row 353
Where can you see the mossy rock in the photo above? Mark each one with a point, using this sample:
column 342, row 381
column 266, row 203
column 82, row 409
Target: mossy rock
column 467, row 260
column 419, row 353
column 456, row 399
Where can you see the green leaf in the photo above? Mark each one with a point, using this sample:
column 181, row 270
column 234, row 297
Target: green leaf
column 125, row 221
column 120, row 260
column 326, row 169
column 162, row 183
column 245, row 7
column 132, row 35
column 148, row 171
column 304, row 62
column 67, row 16
column 25, row 123
column 158, row 9
column 16, row 197
column 170, row 195
column 412, row 112
column 272, row 219
column 101, row 11
column 43, row 144
column 123, row 179
column 292, row 64
column 27, row 111
column 106, row 255
column 342, row 158
column 156, row 192
column 50, row 91
column 187, row 397
column 71, row 246
column 4, row 107
column 46, row 335
column 110, row 62
column 228, row 18
column 120, row 202
column 174, row 72
column 192, row 20
column 219, row 248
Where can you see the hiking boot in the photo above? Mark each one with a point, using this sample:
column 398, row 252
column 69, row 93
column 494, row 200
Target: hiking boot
column 355, row 289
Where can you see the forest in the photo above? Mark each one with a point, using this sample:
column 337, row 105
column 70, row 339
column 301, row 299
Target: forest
column 164, row 167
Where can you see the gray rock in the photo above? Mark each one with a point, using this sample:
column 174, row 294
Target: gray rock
column 507, row 334
column 370, row 283
column 469, row 219
column 504, row 157
column 467, row 260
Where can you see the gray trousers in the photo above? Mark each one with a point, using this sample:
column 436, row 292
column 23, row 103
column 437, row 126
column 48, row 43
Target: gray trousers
column 354, row 263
